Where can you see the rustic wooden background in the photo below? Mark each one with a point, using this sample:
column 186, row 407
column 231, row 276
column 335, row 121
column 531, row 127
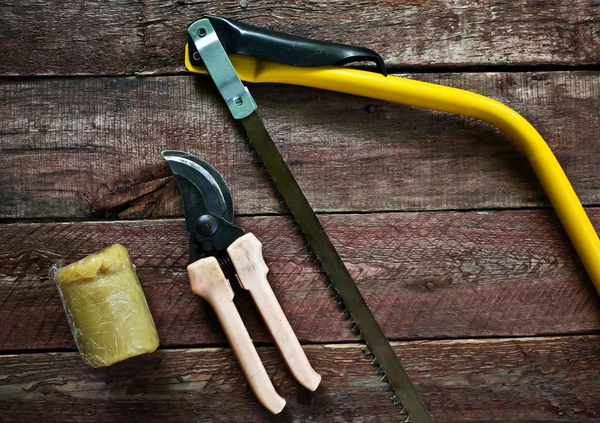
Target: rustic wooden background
column 439, row 218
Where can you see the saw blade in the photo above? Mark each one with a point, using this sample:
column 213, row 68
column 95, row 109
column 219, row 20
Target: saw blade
column 347, row 292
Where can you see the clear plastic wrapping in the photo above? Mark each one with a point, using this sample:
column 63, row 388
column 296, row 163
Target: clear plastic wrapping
column 106, row 307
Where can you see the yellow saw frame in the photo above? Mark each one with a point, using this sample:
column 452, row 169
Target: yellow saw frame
column 446, row 99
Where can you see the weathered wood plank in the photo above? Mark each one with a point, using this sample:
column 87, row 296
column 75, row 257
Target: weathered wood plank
column 82, row 147
column 425, row 275
column 504, row 380
column 126, row 37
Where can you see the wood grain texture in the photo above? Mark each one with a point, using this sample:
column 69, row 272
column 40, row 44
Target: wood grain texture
column 91, row 147
column 424, row 275
column 88, row 148
column 85, row 37
column 504, row 380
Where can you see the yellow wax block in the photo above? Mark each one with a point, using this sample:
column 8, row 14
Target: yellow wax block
column 106, row 307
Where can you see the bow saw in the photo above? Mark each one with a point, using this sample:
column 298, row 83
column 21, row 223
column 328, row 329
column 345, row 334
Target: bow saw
column 231, row 51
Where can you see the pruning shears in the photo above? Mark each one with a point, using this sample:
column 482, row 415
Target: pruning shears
column 221, row 251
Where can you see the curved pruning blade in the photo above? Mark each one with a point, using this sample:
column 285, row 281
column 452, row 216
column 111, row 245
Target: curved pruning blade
column 207, row 204
column 196, row 178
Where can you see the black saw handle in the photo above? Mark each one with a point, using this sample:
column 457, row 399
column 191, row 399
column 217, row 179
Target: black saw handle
column 241, row 38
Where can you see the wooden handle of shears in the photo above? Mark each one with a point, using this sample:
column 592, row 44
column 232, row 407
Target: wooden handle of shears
column 246, row 255
column 209, row 282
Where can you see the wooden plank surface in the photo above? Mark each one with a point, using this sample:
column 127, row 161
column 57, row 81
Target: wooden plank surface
column 127, row 37
column 91, row 146
column 425, row 275
column 88, row 148
column 504, row 380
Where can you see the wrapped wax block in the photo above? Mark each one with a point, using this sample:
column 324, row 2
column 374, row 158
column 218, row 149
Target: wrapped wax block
column 106, row 307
